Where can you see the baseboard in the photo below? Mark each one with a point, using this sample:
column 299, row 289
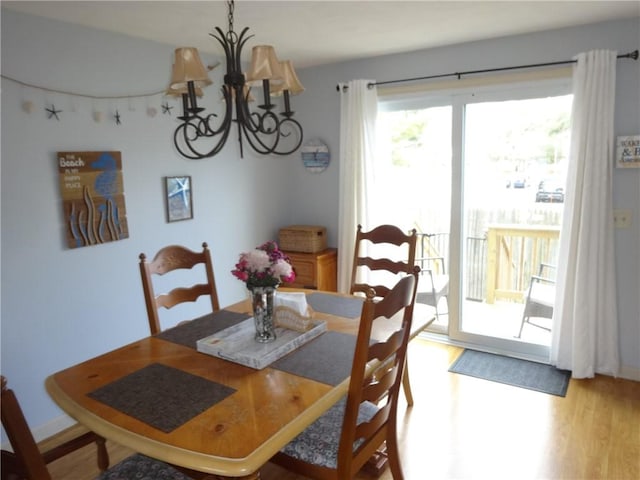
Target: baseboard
column 47, row 430
column 52, row 427
column 630, row 373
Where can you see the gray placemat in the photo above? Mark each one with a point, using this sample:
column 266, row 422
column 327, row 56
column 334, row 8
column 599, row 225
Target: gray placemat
column 161, row 396
column 327, row 359
column 349, row 307
column 189, row 333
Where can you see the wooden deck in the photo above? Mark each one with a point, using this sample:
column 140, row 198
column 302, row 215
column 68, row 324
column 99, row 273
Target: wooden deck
column 500, row 319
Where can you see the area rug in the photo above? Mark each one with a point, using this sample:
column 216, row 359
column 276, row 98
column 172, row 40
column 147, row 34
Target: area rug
column 512, row 371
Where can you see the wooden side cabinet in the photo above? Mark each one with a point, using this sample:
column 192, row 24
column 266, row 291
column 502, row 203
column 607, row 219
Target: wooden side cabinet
column 315, row 270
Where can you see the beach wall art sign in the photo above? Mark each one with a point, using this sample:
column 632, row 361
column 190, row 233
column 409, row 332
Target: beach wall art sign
column 92, row 192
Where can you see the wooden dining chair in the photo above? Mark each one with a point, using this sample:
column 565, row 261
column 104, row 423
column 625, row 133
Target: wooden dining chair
column 167, row 260
column 372, row 269
column 341, row 441
column 28, row 462
column 372, row 262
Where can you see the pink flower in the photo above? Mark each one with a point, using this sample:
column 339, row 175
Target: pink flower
column 265, row 266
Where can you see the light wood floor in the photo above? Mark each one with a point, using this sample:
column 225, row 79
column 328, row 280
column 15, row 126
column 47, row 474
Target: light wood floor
column 465, row 428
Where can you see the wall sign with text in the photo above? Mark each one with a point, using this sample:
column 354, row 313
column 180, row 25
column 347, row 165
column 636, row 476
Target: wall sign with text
column 92, row 192
column 628, row 151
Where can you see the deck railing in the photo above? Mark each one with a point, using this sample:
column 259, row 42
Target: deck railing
column 500, row 264
column 514, row 253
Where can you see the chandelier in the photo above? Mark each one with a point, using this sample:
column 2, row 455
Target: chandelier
column 201, row 135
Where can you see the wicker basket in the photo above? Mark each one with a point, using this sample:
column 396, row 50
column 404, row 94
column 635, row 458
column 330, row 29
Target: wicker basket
column 303, row 238
column 287, row 317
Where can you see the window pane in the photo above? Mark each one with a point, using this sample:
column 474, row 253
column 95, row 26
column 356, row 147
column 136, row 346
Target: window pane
column 514, row 167
column 413, row 172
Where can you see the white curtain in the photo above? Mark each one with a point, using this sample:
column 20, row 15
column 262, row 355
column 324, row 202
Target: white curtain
column 585, row 332
column 358, row 111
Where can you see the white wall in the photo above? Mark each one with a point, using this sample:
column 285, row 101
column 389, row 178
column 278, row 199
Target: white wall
column 61, row 306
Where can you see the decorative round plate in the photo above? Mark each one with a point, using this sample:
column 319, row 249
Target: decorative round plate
column 315, row 156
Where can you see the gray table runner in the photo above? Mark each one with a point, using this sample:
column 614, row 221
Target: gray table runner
column 162, row 396
column 348, row 307
column 189, row 333
column 327, row 359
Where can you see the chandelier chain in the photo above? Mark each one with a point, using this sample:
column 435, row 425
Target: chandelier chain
column 231, row 6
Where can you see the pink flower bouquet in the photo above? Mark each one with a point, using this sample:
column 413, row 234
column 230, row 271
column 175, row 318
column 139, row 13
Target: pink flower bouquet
column 265, row 266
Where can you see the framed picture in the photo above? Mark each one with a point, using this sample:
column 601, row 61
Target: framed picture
column 179, row 198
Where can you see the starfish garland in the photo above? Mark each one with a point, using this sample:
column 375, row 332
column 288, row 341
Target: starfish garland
column 166, row 108
column 53, row 112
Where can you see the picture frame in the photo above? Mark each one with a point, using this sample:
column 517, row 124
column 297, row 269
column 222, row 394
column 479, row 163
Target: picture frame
column 179, row 198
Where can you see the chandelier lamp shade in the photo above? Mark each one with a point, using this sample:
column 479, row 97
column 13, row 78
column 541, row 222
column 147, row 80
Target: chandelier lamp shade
column 202, row 135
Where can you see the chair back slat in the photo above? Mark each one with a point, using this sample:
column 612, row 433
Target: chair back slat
column 385, row 251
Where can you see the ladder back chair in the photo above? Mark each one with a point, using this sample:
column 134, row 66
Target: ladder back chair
column 28, row 462
column 168, row 259
column 368, row 259
column 341, row 441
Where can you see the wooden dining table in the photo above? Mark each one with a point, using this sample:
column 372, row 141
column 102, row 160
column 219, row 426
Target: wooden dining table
column 161, row 397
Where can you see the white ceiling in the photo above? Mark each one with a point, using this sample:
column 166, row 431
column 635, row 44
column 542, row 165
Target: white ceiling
column 320, row 32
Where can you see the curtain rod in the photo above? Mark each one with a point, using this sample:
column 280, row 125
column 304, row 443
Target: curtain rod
column 633, row 55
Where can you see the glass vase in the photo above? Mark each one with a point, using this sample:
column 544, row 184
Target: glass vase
column 262, row 304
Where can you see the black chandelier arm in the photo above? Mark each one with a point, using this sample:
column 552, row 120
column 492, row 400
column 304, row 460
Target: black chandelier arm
column 256, row 143
column 195, row 128
column 284, row 128
column 242, row 40
column 296, row 129
column 267, row 122
column 182, row 139
column 232, row 45
column 226, row 46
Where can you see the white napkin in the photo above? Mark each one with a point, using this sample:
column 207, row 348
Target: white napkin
column 294, row 300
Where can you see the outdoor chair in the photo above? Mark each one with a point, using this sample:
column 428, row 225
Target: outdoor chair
column 540, row 297
column 434, row 281
column 168, row 259
column 342, row 440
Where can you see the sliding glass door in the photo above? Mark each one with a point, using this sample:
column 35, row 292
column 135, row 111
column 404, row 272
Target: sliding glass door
column 513, row 162
column 487, row 172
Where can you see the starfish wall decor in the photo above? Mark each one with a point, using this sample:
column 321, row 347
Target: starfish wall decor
column 53, row 112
